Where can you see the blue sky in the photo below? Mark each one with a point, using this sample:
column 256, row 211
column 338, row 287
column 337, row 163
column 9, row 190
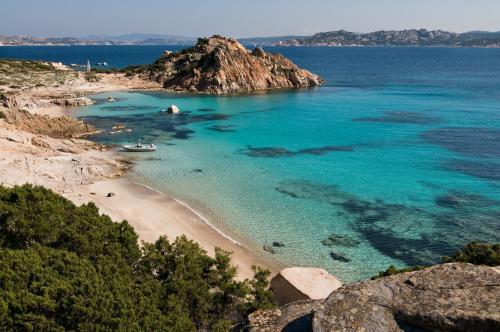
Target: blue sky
column 241, row 18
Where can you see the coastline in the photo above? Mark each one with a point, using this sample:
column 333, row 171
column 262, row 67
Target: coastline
column 84, row 171
column 153, row 214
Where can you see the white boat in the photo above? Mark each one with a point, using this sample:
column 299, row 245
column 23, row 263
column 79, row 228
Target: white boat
column 139, row 147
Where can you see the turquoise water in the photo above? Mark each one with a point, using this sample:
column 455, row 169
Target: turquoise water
column 395, row 161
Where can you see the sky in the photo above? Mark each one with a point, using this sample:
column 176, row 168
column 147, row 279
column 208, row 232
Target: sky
column 241, row 18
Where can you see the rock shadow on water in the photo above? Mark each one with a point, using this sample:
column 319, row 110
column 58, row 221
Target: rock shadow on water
column 334, row 240
column 480, row 169
column 402, row 118
column 128, row 108
column 473, row 141
column 460, row 200
column 222, row 128
column 151, row 125
column 407, row 233
column 339, row 257
column 280, row 152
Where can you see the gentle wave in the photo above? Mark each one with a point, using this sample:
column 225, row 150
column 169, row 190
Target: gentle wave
column 198, row 214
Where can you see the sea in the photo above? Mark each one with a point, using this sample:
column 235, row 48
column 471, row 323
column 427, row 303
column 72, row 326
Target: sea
column 394, row 161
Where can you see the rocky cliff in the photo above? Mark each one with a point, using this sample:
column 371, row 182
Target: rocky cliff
column 448, row 297
column 219, row 65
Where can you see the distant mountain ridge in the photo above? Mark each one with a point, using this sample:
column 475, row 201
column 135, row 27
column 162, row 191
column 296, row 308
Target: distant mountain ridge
column 126, row 39
column 412, row 37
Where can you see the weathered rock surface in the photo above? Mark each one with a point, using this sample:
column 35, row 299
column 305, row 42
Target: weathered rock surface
column 300, row 283
column 296, row 316
column 57, row 127
column 219, row 65
column 448, row 297
column 15, row 113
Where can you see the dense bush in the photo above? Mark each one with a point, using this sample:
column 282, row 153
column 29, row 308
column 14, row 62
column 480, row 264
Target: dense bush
column 64, row 267
column 474, row 253
column 477, row 253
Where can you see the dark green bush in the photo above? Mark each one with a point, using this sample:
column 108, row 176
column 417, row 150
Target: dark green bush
column 477, row 253
column 64, row 267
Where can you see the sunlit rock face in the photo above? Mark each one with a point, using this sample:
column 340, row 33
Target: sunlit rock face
column 219, row 65
column 448, row 297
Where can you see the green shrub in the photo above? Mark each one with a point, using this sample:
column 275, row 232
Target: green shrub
column 64, row 267
column 392, row 270
column 477, row 253
column 473, row 253
column 91, row 77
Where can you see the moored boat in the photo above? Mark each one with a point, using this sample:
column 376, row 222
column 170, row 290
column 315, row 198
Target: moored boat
column 139, row 147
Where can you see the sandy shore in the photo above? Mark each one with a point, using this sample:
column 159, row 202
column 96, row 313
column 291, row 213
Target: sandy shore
column 153, row 214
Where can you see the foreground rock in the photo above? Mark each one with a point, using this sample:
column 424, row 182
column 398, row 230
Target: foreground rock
column 219, row 65
column 300, row 283
column 448, row 297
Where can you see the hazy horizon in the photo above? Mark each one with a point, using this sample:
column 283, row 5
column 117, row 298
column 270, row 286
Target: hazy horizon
column 241, row 19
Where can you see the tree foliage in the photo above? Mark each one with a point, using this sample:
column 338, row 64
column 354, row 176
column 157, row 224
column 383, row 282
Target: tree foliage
column 64, row 267
column 477, row 253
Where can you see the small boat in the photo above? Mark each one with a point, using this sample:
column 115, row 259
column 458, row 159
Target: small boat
column 118, row 126
column 139, row 147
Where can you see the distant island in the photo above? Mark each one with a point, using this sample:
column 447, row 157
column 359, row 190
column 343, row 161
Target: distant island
column 414, row 37
column 127, row 39
column 219, row 65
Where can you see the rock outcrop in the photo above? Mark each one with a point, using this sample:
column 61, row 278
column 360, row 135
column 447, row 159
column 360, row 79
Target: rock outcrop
column 301, row 283
column 448, row 297
column 56, row 127
column 219, row 65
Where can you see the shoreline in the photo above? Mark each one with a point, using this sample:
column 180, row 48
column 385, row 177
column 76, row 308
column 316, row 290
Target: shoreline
column 152, row 214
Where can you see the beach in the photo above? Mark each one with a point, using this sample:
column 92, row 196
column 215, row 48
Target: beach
column 153, row 214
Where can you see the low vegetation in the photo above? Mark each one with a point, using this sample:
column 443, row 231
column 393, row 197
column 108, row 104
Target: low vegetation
column 64, row 267
column 474, row 253
column 19, row 75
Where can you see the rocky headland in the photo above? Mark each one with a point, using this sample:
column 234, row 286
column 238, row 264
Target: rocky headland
column 219, row 65
column 447, row 297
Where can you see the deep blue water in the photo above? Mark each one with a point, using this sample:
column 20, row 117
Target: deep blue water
column 396, row 160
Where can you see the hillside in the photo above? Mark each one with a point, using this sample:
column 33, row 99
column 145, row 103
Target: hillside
column 414, row 37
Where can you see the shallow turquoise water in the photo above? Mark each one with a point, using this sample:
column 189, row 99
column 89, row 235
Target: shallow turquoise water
column 395, row 166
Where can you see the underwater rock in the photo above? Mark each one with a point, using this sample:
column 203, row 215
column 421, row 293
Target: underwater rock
column 402, row 118
column 278, row 244
column 339, row 257
column 278, row 152
column 222, row 129
column 268, row 248
column 340, row 240
column 473, row 141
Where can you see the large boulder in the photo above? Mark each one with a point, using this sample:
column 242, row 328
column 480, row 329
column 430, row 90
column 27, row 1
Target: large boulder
column 301, row 283
column 219, row 65
column 448, row 297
